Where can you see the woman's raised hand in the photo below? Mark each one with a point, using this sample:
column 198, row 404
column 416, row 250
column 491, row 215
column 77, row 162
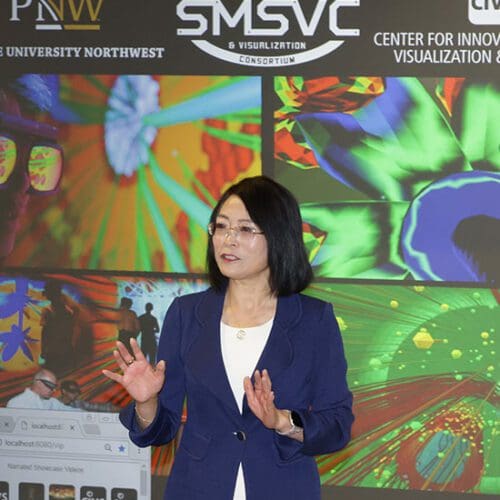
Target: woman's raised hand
column 260, row 398
column 141, row 380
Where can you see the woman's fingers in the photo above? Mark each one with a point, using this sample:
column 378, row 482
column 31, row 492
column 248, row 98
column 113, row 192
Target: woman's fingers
column 138, row 354
column 257, row 380
column 249, row 390
column 161, row 365
column 266, row 380
column 262, row 381
column 261, row 388
column 123, row 351
column 113, row 376
column 267, row 395
column 119, row 360
column 260, row 398
column 139, row 378
column 252, row 395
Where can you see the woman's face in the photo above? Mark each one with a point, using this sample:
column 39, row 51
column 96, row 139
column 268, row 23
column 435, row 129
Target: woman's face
column 240, row 255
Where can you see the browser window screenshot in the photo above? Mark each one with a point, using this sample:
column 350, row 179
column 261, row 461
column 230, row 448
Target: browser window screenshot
column 54, row 455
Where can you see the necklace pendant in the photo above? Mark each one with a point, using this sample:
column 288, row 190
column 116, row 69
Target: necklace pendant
column 241, row 334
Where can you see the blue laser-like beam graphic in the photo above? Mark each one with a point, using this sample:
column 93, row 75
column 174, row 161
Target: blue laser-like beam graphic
column 236, row 96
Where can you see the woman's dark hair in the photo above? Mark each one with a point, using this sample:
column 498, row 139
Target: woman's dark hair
column 276, row 211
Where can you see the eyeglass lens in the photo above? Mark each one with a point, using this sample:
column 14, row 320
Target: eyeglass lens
column 44, row 164
column 224, row 229
column 44, row 167
column 47, row 383
column 8, row 156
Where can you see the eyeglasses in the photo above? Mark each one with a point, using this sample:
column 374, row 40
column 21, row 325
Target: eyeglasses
column 71, row 392
column 48, row 383
column 243, row 232
column 70, row 389
column 44, row 159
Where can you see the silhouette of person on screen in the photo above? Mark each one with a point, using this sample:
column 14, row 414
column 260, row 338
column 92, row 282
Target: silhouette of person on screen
column 149, row 329
column 58, row 321
column 128, row 323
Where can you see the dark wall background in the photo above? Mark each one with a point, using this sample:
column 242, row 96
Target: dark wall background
column 382, row 120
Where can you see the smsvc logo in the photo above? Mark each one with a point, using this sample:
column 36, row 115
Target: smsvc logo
column 484, row 11
column 58, row 14
column 270, row 33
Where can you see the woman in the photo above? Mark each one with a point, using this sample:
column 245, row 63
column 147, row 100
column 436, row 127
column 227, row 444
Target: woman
column 251, row 438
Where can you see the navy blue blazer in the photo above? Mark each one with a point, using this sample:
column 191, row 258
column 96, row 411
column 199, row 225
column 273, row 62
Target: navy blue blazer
column 305, row 359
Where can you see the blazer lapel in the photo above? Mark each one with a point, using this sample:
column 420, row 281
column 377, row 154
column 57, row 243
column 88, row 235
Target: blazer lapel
column 205, row 355
column 278, row 352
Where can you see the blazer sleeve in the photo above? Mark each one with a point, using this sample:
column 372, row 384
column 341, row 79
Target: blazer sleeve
column 327, row 422
column 171, row 397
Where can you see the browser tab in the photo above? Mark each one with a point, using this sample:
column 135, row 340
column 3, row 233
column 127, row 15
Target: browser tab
column 6, row 423
column 48, row 427
column 91, row 429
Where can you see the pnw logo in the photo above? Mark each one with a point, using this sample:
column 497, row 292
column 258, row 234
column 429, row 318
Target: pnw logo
column 59, row 14
column 267, row 32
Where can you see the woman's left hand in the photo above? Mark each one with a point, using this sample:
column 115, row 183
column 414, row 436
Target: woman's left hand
column 260, row 399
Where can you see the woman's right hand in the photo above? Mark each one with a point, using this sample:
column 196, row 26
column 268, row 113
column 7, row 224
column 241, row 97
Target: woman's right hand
column 140, row 379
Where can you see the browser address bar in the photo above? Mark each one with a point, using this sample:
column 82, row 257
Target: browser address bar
column 66, row 446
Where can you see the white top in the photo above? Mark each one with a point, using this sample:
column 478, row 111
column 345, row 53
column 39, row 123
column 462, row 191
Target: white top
column 241, row 350
column 29, row 399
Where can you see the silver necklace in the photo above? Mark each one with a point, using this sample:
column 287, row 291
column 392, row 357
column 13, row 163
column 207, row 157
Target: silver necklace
column 241, row 334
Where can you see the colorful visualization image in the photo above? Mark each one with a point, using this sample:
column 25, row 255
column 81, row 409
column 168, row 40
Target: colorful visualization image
column 424, row 371
column 423, row 368
column 398, row 178
column 145, row 159
column 69, row 324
